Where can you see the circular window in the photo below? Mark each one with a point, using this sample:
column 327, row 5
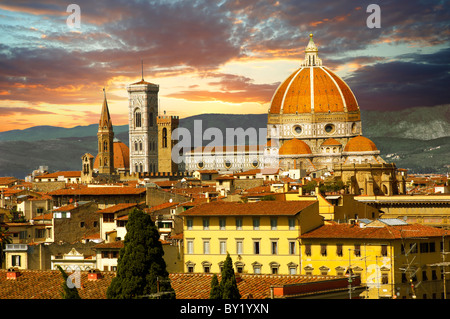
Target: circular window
column 227, row 164
column 255, row 163
column 329, row 128
column 298, row 129
column 200, row 164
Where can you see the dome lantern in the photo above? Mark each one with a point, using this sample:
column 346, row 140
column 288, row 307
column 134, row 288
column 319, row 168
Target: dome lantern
column 311, row 54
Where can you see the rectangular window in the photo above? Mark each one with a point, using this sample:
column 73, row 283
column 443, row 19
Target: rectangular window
column 238, row 223
column 256, row 247
column 273, row 223
column 205, row 223
column 108, row 218
column 292, row 247
column 274, row 246
column 384, row 278
column 190, row 246
column 189, row 223
column 384, row 250
column 339, row 250
column 239, row 247
column 256, row 223
column 222, row 223
column 308, row 249
column 291, row 223
column 15, row 260
column 323, row 249
column 357, row 250
column 223, row 247
column 206, row 247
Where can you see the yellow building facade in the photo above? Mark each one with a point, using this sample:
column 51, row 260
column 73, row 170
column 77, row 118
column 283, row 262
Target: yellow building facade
column 394, row 261
column 261, row 237
column 342, row 207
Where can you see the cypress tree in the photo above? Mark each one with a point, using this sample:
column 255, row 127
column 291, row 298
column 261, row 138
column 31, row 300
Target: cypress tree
column 228, row 283
column 68, row 293
column 216, row 291
column 141, row 269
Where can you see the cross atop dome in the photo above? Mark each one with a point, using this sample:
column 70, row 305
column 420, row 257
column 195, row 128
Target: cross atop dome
column 311, row 54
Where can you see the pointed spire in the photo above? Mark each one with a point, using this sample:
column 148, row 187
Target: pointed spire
column 311, row 54
column 105, row 118
column 142, row 69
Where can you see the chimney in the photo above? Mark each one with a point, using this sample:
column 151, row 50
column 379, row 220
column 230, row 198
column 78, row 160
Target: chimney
column 238, row 277
column 12, row 273
column 94, row 274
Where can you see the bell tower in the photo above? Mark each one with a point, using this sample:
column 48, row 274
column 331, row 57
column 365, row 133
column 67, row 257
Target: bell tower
column 105, row 137
column 166, row 125
column 143, row 130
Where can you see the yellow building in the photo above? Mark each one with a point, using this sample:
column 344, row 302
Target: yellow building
column 393, row 258
column 261, row 237
column 431, row 210
column 337, row 207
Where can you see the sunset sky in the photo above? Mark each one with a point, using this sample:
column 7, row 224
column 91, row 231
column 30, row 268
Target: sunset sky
column 212, row 56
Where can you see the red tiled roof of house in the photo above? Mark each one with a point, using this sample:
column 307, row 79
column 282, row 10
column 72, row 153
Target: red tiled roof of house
column 99, row 191
column 61, row 173
column 114, row 244
column 384, row 232
column 7, row 180
column 48, row 216
column 47, row 284
column 117, row 208
column 197, row 286
column 258, row 208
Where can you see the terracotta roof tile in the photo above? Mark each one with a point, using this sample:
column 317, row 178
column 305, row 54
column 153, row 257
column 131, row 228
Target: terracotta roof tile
column 98, row 191
column 117, row 208
column 258, row 208
column 386, row 232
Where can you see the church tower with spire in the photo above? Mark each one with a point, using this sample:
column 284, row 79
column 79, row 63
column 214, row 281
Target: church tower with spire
column 105, row 137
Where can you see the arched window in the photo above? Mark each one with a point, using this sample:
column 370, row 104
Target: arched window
column 137, row 118
column 105, row 162
column 140, row 168
column 151, row 119
column 164, row 137
column 105, row 146
column 140, row 145
column 135, row 146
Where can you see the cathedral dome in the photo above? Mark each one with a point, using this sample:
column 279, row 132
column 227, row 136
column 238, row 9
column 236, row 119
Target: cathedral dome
column 313, row 88
column 294, row 147
column 121, row 156
column 360, row 144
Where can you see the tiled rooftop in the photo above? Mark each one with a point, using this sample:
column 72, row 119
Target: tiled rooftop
column 258, row 208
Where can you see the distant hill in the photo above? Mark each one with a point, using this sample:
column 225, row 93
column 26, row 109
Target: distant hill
column 418, row 139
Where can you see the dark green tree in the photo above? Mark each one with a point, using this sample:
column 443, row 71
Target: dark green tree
column 68, row 293
column 141, row 269
column 228, row 283
column 216, row 291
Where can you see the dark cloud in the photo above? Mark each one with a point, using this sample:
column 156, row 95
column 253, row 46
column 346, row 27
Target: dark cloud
column 424, row 80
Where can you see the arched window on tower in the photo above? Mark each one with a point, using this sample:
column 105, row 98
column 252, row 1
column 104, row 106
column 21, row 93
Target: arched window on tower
column 164, row 137
column 140, row 145
column 136, row 146
column 137, row 118
column 105, row 146
column 151, row 119
column 140, row 168
column 105, row 162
